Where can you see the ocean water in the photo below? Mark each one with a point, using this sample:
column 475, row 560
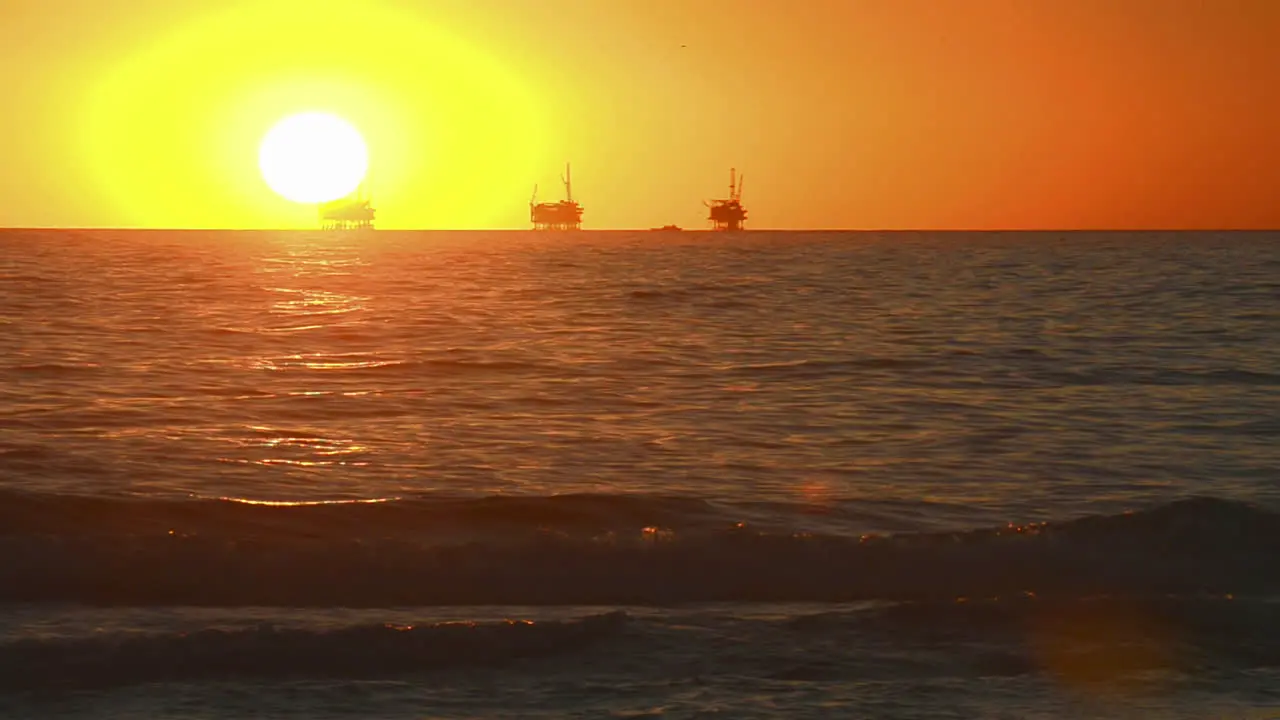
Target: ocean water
column 777, row 475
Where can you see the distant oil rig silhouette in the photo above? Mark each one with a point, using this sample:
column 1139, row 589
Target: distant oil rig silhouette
column 353, row 212
column 563, row 215
column 356, row 211
column 728, row 214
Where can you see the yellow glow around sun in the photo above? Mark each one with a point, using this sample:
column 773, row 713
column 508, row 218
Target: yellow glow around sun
column 173, row 136
column 313, row 157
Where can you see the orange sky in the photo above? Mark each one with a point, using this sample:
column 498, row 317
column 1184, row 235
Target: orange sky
column 842, row 113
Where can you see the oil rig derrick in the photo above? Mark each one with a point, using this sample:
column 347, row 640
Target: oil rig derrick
column 728, row 214
column 353, row 212
column 563, row 215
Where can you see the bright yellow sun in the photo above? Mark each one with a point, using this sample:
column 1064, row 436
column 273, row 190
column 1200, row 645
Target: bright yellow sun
column 313, row 157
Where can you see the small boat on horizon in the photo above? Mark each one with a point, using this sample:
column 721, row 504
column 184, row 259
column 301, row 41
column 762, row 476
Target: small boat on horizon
column 667, row 228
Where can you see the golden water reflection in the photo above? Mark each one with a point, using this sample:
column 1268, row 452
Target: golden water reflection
column 315, row 302
column 306, row 503
column 276, row 446
column 313, row 329
column 309, row 278
column 322, row 362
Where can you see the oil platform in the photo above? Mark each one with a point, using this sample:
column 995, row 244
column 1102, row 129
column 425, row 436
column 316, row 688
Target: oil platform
column 353, row 212
column 563, row 215
column 728, row 214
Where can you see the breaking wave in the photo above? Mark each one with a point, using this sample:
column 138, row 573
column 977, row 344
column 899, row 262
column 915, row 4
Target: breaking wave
column 585, row 549
column 1097, row 641
column 265, row 651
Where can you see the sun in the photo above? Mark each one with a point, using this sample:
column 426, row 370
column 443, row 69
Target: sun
column 313, row 157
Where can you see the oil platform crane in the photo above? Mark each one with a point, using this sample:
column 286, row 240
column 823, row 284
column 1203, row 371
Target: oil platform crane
column 563, row 215
column 728, row 214
column 353, row 212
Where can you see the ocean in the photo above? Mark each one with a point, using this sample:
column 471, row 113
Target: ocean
column 637, row 474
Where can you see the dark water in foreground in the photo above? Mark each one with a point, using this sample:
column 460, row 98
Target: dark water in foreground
column 611, row 474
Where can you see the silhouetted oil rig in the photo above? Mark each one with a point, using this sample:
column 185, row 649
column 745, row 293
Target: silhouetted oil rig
column 728, row 214
column 563, row 215
column 353, row 212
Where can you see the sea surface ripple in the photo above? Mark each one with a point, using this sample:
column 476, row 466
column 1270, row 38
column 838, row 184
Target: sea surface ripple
column 772, row 474
column 968, row 377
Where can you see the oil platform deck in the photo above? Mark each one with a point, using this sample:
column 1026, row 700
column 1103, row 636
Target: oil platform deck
column 728, row 213
column 354, row 212
column 563, row 215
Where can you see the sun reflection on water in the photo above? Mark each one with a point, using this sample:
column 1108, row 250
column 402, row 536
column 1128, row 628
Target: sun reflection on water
column 315, row 302
column 316, row 332
column 307, row 503
column 321, row 362
column 280, row 448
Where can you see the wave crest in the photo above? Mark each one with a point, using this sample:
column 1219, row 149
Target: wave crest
column 580, row 550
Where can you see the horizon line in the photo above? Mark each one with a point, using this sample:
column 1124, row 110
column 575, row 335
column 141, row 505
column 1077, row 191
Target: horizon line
column 128, row 228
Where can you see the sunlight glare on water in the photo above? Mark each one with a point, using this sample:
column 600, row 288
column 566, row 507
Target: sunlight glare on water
column 1030, row 373
column 318, row 475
